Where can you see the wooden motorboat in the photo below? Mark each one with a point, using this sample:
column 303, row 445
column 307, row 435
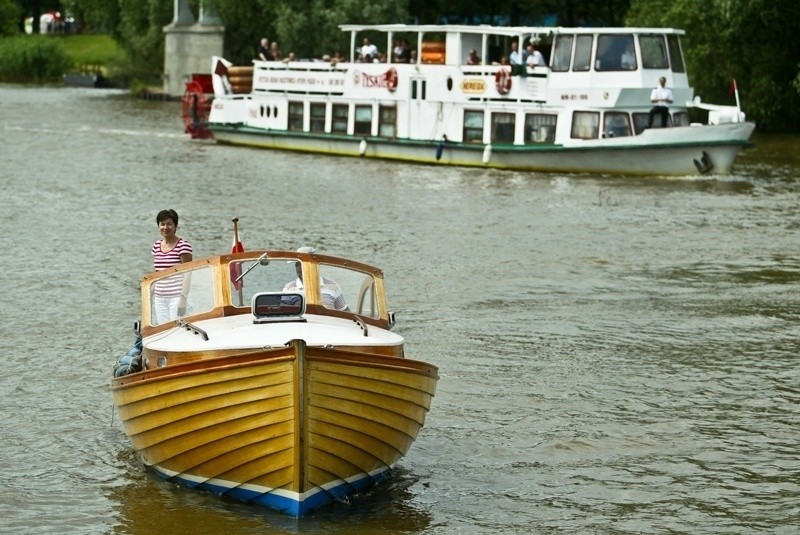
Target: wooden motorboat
column 288, row 396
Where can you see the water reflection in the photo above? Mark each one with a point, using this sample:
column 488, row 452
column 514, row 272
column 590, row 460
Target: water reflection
column 146, row 504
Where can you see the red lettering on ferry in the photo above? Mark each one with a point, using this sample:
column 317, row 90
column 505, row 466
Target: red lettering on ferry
column 386, row 80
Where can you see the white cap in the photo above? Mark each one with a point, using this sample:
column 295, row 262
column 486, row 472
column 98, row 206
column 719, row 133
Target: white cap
column 306, row 249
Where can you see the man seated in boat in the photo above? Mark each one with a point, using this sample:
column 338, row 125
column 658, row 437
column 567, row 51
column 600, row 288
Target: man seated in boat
column 329, row 290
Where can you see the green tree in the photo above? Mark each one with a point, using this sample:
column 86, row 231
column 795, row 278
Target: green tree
column 95, row 15
column 520, row 12
column 753, row 41
column 10, row 17
column 141, row 34
column 308, row 29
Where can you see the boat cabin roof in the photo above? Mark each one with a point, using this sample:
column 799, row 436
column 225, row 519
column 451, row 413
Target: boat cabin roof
column 510, row 31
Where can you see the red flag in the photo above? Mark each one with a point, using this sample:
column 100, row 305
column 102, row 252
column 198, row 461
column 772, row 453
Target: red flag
column 236, row 267
column 733, row 87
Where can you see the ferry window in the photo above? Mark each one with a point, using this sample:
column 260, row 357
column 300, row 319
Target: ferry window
column 562, row 51
column 165, row 295
column 640, row 121
column 473, row 127
column 339, row 120
column 680, row 118
column 540, row 128
column 616, row 124
column 583, row 53
column 675, row 56
column 654, row 52
column 363, row 122
column 503, row 127
column 418, row 89
column 296, row 116
column 610, row 50
column 317, row 117
column 347, row 289
column 387, row 121
column 585, row 124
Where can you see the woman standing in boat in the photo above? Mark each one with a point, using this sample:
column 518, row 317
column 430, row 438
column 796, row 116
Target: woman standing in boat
column 169, row 251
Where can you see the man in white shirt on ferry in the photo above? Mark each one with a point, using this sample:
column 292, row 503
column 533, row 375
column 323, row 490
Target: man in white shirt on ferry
column 516, row 57
column 369, row 51
column 661, row 97
column 535, row 58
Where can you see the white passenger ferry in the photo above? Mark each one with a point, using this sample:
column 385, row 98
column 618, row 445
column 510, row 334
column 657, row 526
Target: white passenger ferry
column 587, row 110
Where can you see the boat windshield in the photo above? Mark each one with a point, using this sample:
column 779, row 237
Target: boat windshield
column 340, row 288
column 183, row 294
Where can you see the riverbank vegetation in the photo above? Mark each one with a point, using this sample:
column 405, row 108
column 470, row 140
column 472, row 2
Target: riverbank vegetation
column 752, row 41
column 32, row 59
column 44, row 59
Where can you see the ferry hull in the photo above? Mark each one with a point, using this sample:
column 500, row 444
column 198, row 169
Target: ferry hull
column 681, row 151
column 291, row 428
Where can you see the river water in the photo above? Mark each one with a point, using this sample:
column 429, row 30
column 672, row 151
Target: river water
column 617, row 355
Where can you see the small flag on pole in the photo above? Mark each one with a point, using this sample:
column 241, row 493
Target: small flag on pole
column 735, row 91
column 236, row 267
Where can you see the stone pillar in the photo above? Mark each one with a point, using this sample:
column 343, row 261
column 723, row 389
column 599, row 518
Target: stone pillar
column 182, row 14
column 189, row 46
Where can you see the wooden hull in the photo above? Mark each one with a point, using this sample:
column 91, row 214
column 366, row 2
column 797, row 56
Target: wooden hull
column 290, row 428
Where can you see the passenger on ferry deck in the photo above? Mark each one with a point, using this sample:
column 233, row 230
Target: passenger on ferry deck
column 368, row 51
column 402, row 52
column 516, row 57
column 535, row 58
column 661, row 97
column 473, row 58
column 275, row 52
column 263, row 49
column 628, row 59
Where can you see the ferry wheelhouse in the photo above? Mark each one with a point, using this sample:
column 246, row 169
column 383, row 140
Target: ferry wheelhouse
column 586, row 110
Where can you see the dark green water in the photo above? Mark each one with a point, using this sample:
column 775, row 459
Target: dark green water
column 617, row 355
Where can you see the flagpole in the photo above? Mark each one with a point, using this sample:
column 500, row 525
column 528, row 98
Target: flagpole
column 237, row 248
column 736, row 92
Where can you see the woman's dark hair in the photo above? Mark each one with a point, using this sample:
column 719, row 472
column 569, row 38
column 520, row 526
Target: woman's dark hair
column 167, row 214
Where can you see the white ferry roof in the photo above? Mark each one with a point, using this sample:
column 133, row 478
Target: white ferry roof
column 503, row 30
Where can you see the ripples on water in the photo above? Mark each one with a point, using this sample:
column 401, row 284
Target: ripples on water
column 617, row 355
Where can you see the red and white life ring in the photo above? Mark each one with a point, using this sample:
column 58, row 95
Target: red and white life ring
column 502, row 81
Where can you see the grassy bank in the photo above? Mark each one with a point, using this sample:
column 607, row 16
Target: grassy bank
column 45, row 58
column 91, row 49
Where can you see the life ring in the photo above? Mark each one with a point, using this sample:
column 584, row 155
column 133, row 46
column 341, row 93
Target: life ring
column 502, row 81
column 390, row 79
